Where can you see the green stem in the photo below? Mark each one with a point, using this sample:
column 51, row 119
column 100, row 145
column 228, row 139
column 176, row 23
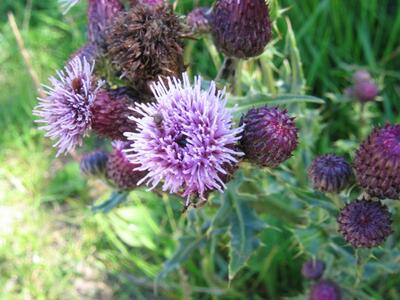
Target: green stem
column 336, row 200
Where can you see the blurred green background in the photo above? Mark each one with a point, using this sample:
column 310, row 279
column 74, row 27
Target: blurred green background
column 53, row 247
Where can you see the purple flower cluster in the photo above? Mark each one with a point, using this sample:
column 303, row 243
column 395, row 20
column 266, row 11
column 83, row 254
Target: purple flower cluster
column 181, row 136
column 185, row 139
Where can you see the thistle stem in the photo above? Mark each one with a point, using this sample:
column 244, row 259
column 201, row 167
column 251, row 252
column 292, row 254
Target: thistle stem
column 336, row 200
column 227, row 70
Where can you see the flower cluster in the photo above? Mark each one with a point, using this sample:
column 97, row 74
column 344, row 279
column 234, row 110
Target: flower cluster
column 182, row 139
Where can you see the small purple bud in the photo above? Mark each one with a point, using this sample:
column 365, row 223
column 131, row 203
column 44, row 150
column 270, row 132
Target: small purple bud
column 377, row 163
column 325, row 290
column 101, row 13
column 269, row 136
column 365, row 224
column 330, row 173
column 94, row 163
column 242, row 28
column 365, row 91
column 313, row 269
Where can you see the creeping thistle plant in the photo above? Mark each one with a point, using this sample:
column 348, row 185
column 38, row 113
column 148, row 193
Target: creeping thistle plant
column 243, row 145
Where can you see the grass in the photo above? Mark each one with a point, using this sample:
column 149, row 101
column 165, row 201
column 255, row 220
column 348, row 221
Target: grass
column 53, row 247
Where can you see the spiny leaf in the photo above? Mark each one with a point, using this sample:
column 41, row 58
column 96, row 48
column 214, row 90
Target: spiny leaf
column 116, row 198
column 244, row 228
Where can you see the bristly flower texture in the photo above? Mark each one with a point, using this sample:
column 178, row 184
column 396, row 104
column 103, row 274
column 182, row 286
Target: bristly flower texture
column 185, row 139
column 65, row 112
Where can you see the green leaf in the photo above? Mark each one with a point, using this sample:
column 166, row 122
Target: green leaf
column 187, row 245
column 247, row 102
column 244, row 228
column 116, row 198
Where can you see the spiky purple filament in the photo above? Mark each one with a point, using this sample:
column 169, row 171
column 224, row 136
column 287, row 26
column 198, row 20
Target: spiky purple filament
column 186, row 139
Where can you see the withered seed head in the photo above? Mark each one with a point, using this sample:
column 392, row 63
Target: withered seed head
column 145, row 43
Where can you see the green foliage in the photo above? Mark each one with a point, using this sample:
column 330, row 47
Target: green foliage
column 247, row 244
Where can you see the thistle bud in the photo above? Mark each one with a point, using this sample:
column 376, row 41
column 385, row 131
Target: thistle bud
column 377, row 163
column 325, row 290
column 120, row 170
column 94, row 164
column 330, row 173
column 269, row 136
column 242, row 28
column 101, row 13
column 144, row 44
column 313, row 269
column 110, row 114
column 364, row 88
column 365, row 224
column 365, row 91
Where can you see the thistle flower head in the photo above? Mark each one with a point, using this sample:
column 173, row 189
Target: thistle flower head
column 377, row 163
column 185, row 139
column 325, row 290
column 145, row 43
column 269, row 137
column 120, row 170
column 94, row 163
column 66, row 111
column 241, row 28
column 313, row 269
column 110, row 114
column 101, row 13
column 330, row 173
column 365, row 223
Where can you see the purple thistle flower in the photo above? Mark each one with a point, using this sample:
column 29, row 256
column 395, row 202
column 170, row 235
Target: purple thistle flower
column 365, row 223
column 65, row 112
column 101, row 14
column 185, row 139
column 325, row 290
